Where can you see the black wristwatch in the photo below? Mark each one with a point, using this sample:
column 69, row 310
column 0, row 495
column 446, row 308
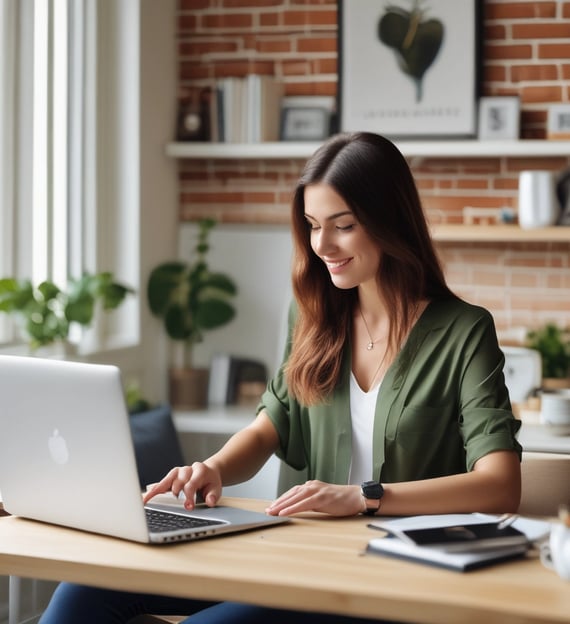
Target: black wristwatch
column 372, row 492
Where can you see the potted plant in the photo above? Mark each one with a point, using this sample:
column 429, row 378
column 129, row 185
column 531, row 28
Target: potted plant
column 46, row 313
column 553, row 344
column 190, row 299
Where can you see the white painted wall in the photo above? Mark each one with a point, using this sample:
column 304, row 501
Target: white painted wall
column 158, row 178
column 258, row 258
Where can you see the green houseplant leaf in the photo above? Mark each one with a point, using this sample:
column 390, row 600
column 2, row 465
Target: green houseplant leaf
column 188, row 297
column 46, row 312
column 15, row 294
column 553, row 344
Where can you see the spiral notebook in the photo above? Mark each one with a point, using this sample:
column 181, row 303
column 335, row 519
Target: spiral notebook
column 461, row 542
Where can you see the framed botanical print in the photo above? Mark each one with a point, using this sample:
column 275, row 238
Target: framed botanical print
column 409, row 68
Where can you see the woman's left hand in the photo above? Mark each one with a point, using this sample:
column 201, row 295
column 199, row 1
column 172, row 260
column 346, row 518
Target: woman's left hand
column 336, row 500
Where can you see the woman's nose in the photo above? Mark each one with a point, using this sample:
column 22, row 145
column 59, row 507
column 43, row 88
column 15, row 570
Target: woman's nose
column 322, row 242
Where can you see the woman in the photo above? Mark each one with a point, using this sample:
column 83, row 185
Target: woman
column 388, row 378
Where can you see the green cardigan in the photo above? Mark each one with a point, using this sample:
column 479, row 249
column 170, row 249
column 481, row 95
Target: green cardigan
column 442, row 405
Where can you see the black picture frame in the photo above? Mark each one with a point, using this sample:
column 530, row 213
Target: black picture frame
column 193, row 119
column 409, row 70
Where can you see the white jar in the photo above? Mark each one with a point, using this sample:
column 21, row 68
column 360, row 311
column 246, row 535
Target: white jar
column 538, row 203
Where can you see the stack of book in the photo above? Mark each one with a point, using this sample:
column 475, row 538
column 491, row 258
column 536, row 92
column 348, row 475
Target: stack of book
column 235, row 380
column 459, row 542
column 246, row 110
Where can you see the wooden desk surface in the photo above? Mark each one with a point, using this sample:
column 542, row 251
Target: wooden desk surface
column 314, row 563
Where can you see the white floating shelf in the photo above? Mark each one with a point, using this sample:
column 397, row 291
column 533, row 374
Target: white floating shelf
column 423, row 149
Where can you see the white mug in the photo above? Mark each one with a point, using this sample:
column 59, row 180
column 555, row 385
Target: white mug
column 538, row 203
column 555, row 408
column 555, row 554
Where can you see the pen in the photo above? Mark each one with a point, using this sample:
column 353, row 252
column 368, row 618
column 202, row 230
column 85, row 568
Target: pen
column 506, row 520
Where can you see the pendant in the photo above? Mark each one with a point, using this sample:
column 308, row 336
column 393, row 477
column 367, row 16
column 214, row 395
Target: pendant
column 370, row 346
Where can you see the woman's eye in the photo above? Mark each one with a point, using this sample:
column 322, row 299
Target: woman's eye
column 345, row 228
column 312, row 226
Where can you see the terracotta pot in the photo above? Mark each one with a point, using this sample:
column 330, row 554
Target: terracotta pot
column 188, row 388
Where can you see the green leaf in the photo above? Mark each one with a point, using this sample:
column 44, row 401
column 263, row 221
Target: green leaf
column 78, row 288
column 178, row 323
column 113, row 295
column 221, row 282
column 553, row 344
column 188, row 297
column 163, row 283
column 81, row 309
column 15, row 295
column 48, row 290
column 44, row 327
column 48, row 311
column 214, row 313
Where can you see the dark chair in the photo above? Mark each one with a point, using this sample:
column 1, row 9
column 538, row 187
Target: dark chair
column 156, row 443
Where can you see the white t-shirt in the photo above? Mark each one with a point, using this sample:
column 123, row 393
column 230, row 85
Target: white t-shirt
column 362, row 407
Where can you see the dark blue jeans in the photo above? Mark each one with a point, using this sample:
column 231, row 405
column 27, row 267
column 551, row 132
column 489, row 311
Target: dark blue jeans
column 79, row 604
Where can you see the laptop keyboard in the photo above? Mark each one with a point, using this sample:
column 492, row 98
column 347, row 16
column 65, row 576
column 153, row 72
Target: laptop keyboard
column 161, row 521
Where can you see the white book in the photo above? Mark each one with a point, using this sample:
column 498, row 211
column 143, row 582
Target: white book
column 219, row 379
column 227, row 372
column 252, row 107
column 270, row 109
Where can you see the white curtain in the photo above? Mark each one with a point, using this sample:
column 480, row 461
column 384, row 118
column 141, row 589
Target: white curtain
column 69, row 155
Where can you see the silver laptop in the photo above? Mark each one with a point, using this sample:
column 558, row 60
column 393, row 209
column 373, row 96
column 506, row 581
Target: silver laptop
column 67, row 457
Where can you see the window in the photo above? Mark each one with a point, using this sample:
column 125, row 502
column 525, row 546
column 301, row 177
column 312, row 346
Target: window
column 69, row 162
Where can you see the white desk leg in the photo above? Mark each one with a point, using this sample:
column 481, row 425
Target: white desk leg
column 14, row 599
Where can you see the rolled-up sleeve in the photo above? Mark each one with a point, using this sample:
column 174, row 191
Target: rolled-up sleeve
column 486, row 422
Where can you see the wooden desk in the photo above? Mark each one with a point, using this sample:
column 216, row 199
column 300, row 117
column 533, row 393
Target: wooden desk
column 314, row 563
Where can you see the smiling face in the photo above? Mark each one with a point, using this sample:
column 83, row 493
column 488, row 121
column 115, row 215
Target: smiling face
column 338, row 239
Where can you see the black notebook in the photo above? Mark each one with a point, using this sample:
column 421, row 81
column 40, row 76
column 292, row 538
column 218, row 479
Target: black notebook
column 463, row 537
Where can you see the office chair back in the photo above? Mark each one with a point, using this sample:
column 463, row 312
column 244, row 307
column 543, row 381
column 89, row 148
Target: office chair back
column 156, row 443
column 545, row 483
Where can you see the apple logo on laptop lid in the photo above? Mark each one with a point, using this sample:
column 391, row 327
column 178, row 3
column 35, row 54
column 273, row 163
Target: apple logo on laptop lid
column 58, row 448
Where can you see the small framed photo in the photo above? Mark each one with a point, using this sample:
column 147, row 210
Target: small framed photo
column 558, row 122
column 499, row 117
column 306, row 118
column 193, row 120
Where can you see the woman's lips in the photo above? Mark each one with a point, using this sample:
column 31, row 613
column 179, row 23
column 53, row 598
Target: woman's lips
column 337, row 266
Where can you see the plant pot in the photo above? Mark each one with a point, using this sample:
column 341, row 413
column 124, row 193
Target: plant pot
column 188, row 388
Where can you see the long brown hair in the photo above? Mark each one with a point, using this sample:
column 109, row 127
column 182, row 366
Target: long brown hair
column 373, row 178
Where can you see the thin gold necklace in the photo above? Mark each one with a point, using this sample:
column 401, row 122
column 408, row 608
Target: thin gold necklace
column 378, row 369
column 371, row 342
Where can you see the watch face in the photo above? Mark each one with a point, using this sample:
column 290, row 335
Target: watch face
column 372, row 489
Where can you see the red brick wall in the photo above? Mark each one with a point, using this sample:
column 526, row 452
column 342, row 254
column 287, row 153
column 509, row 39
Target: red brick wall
column 526, row 52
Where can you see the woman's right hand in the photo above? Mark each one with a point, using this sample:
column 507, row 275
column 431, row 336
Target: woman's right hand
column 190, row 480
